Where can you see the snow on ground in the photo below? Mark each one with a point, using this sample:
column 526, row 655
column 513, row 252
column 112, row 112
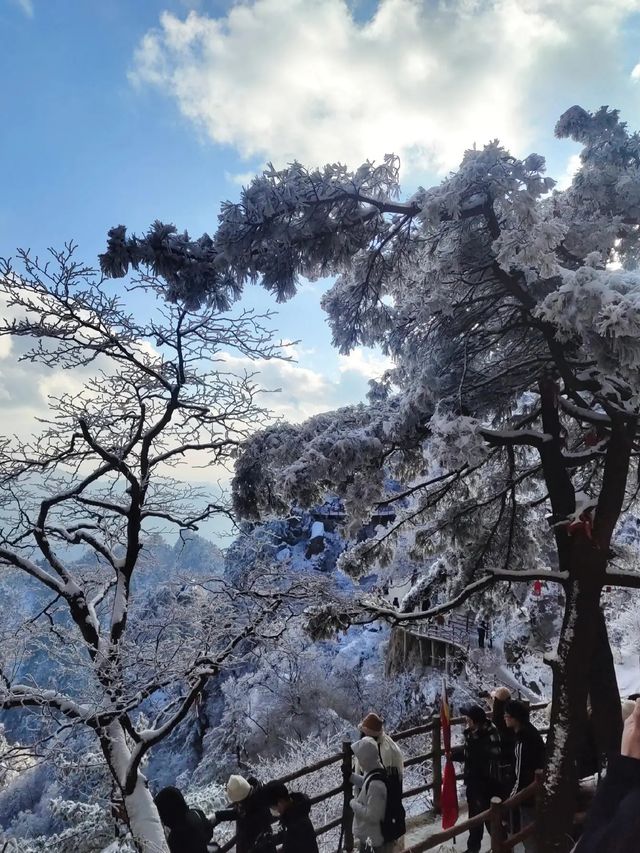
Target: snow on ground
column 421, row 828
column 628, row 673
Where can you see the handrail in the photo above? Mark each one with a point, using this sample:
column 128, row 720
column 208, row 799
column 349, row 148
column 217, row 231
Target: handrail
column 480, row 818
column 311, row 768
column 419, row 759
column 413, row 792
column 413, row 732
column 521, row 797
column 434, row 755
column 522, row 834
column 327, row 794
column 333, row 824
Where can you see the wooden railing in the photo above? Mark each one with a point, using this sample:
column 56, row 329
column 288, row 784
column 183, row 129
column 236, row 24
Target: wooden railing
column 495, row 816
column 454, row 629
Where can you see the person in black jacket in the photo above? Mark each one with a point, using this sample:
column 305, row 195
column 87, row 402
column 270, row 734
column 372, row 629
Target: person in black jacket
column 613, row 822
column 529, row 757
column 500, row 696
column 481, row 756
column 529, row 747
column 250, row 812
column 297, row 834
column 189, row 829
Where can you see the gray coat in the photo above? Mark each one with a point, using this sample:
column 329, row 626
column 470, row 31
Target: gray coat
column 370, row 803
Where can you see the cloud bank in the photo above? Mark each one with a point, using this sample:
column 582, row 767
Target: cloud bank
column 285, row 79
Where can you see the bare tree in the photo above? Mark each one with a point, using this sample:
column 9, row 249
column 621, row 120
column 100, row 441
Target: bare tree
column 78, row 499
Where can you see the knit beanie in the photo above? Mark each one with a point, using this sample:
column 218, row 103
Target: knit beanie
column 371, row 726
column 518, row 710
column 475, row 713
column 238, row 789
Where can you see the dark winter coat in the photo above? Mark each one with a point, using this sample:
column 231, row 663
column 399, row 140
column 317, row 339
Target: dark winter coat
column 481, row 756
column 253, row 818
column 297, row 834
column 189, row 829
column 529, row 756
column 613, row 822
column 507, row 747
column 191, row 836
column 588, row 759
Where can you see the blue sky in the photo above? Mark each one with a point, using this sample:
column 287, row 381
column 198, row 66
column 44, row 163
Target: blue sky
column 124, row 111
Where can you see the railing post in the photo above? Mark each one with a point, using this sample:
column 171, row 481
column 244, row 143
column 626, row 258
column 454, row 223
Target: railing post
column 539, row 802
column 495, row 824
column 436, row 740
column 347, row 814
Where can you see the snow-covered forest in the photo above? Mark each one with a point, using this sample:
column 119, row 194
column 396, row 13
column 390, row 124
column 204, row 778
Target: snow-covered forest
column 492, row 472
column 284, row 707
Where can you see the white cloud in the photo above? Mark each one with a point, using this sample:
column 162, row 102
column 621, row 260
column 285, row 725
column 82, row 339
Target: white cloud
column 242, row 179
column 301, row 392
column 573, row 164
column 367, row 363
column 285, row 79
column 57, row 383
column 5, row 347
column 26, row 6
column 635, row 74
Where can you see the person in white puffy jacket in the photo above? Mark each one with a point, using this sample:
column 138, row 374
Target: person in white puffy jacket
column 369, row 805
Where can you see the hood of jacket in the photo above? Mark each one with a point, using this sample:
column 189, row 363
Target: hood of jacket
column 366, row 751
column 300, row 807
column 171, row 806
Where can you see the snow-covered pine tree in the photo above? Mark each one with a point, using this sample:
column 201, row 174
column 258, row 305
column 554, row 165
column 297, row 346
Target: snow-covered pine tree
column 511, row 313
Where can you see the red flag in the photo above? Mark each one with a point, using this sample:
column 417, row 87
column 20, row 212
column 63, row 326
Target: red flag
column 449, row 793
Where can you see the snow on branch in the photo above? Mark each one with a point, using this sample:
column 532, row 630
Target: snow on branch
column 395, row 617
column 83, row 493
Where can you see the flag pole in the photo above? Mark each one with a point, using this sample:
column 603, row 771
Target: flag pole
column 449, row 793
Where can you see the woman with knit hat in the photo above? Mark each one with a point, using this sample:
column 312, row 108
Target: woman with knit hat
column 373, row 726
column 389, row 755
column 250, row 812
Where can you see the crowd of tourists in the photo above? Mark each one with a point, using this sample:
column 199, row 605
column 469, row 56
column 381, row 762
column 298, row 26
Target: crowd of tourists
column 500, row 753
column 378, row 815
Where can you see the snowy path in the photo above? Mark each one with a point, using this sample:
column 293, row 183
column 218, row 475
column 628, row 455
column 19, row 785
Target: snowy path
column 425, row 825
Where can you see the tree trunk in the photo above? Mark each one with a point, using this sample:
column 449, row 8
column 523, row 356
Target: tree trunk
column 604, row 696
column 578, row 639
column 143, row 819
column 142, row 815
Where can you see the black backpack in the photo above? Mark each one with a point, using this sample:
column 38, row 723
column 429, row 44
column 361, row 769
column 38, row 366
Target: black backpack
column 393, row 825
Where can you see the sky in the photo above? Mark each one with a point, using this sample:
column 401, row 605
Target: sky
column 127, row 111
